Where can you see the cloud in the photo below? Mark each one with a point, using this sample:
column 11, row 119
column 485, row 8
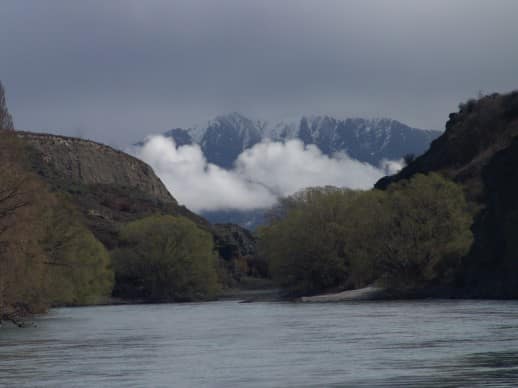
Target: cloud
column 390, row 167
column 260, row 176
column 291, row 166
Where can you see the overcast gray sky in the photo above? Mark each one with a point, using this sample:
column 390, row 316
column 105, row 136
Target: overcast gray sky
column 115, row 71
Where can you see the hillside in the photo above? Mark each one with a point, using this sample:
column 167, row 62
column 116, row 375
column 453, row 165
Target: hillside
column 473, row 136
column 108, row 186
column 367, row 140
column 480, row 150
column 86, row 162
column 111, row 188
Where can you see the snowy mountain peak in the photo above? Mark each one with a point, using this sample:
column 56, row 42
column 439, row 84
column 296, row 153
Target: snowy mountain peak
column 368, row 140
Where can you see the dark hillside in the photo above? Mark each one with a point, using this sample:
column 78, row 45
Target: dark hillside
column 480, row 150
column 473, row 136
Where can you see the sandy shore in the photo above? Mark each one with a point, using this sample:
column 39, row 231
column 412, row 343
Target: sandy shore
column 359, row 294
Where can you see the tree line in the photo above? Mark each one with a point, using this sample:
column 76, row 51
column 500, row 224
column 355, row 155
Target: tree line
column 410, row 236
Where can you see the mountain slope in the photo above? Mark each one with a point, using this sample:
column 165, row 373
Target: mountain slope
column 108, row 186
column 367, row 140
column 111, row 188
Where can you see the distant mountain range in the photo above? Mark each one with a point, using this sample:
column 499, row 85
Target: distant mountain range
column 367, row 140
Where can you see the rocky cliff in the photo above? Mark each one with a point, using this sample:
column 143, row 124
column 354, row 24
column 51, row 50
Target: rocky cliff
column 108, row 186
column 86, row 162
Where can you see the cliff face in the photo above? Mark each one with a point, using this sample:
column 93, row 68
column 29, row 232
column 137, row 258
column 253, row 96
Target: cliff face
column 108, row 186
column 86, row 162
column 480, row 151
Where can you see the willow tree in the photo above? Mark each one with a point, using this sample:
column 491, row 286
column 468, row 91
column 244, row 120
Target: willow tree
column 305, row 243
column 165, row 258
column 413, row 235
column 78, row 266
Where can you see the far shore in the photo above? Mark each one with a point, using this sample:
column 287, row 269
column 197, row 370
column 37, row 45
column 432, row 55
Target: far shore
column 366, row 293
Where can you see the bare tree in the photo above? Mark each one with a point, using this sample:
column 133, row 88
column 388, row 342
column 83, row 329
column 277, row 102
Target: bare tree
column 6, row 120
column 17, row 193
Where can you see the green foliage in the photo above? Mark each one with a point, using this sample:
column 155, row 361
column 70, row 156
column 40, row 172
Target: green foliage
column 305, row 247
column 23, row 202
column 417, row 235
column 46, row 255
column 365, row 225
column 165, row 258
column 79, row 267
column 412, row 235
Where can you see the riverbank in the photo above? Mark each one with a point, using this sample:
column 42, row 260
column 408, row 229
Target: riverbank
column 367, row 293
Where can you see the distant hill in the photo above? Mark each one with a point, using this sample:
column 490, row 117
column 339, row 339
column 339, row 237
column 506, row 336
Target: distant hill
column 367, row 140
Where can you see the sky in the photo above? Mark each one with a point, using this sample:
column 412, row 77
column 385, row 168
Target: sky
column 116, row 71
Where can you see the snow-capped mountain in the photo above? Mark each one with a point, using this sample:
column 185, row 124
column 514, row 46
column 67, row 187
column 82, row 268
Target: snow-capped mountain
column 367, row 140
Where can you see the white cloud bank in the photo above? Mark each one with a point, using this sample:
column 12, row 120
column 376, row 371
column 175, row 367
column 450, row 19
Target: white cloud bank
column 260, row 176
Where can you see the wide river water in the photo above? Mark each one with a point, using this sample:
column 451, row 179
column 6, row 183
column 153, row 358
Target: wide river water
column 230, row 344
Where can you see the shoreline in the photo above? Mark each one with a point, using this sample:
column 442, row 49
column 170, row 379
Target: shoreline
column 366, row 293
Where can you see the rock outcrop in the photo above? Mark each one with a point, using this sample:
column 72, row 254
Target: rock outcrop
column 86, row 162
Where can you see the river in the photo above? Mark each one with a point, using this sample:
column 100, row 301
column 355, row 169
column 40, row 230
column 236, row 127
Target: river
column 230, row 344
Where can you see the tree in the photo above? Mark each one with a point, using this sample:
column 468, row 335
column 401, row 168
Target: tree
column 6, row 120
column 22, row 208
column 165, row 258
column 46, row 255
column 78, row 266
column 410, row 236
column 305, row 244
column 414, row 235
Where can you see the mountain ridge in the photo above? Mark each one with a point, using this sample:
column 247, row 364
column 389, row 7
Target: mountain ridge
column 367, row 140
